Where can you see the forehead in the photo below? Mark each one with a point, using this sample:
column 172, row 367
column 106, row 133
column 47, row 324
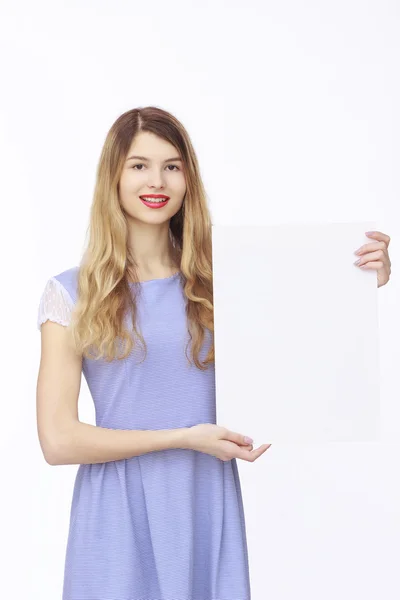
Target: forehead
column 151, row 145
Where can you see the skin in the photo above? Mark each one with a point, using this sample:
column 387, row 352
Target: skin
column 375, row 255
column 148, row 235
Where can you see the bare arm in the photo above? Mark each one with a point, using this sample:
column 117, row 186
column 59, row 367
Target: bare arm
column 82, row 443
column 63, row 438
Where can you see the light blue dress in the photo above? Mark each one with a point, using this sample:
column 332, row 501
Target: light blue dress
column 165, row 525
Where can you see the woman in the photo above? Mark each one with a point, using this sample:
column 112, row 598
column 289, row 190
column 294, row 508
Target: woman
column 157, row 510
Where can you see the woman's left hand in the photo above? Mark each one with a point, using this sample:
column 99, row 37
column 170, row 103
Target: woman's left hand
column 376, row 256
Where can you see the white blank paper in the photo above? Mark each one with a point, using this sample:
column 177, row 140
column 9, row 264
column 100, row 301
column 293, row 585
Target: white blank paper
column 296, row 333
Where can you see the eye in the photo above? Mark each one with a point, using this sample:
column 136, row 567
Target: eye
column 141, row 165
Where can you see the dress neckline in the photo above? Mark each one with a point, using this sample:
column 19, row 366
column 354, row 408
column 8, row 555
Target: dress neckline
column 158, row 279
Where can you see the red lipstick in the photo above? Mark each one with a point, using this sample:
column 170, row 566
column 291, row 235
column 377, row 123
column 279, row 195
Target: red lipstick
column 154, row 200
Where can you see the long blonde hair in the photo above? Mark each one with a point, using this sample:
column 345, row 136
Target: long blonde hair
column 104, row 292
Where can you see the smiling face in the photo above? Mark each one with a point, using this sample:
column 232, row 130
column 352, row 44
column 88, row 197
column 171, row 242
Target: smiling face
column 153, row 173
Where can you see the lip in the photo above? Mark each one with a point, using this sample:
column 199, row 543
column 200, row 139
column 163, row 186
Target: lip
column 154, row 196
column 154, row 205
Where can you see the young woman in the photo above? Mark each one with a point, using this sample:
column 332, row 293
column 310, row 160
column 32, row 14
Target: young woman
column 157, row 510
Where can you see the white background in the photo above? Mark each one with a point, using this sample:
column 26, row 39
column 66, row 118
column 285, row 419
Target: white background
column 292, row 108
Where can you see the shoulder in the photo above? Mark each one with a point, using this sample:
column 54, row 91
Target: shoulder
column 60, row 289
column 68, row 279
column 58, row 298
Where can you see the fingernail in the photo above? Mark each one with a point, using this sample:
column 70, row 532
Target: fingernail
column 369, row 232
column 248, row 440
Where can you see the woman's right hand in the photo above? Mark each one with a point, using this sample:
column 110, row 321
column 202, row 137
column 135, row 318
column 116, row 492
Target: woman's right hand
column 222, row 443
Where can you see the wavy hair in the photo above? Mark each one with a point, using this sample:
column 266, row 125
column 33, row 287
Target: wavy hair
column 104, row 294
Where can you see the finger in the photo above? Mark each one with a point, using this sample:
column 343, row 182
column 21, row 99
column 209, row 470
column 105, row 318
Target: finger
column 253, row 454
column 376, row 265
column 378, row 235
column 371, row 247
column 379, row 255
column 246, row 446
column 233, row 436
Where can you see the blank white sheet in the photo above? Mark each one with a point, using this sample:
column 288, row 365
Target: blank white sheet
column 296, row 333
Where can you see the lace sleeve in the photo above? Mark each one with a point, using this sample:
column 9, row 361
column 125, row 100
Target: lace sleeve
column 55, row 304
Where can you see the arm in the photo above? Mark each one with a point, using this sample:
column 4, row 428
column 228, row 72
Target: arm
column 86, row 444
column 63, row 438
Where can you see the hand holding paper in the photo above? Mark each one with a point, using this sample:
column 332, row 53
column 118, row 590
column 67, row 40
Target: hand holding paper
column 376, row 256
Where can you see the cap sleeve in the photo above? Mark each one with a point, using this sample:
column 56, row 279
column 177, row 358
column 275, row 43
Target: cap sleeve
column 55, row 304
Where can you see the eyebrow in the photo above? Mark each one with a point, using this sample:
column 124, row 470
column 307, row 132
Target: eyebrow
column 176, row 158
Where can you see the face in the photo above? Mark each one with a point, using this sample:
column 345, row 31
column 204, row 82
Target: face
column 153, row 173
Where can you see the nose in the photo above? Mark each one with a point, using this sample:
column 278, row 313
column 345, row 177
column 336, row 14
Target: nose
column 155, row 179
